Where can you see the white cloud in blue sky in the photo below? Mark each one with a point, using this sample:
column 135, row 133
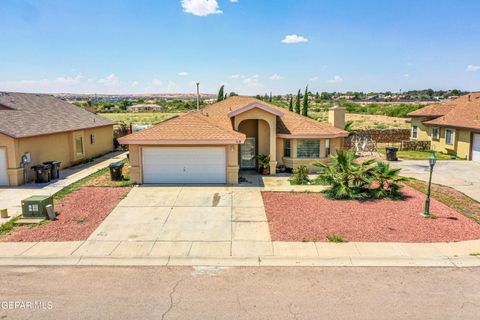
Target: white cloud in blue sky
column 293, row 38
column 201, row 7
column 472, row 68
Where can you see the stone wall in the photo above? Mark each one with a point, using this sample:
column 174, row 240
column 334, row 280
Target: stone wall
column 414, row 145
column 387, row 135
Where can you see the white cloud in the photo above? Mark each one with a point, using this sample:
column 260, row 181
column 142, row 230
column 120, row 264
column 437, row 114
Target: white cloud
column 201, row 7
column 59, row 84
column 134, row 84
column 293, row 38
column 183, row 74
column 252, row 82
column 234, row 1
column 472, row 68
column 276, row 77
column 336, row 79
column 406, row 75
column 314, row 78
column 256, row 76
column 235, row 76
column 110, row 81
column 157, row 83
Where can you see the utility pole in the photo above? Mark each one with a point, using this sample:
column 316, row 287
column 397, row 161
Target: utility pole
column 198, row 96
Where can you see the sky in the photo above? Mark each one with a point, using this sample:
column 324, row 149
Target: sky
column 250, row 46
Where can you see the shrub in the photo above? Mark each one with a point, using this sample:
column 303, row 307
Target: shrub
column 350, row 179
column 335, row 238
column 300, row 175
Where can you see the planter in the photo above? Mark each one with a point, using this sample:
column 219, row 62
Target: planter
column 266, row 172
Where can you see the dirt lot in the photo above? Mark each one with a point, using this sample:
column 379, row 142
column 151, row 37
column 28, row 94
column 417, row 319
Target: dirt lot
column 367, row 121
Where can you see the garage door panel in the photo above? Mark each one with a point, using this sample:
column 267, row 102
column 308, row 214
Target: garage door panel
column 184, row 165
column 3, row 167
column 476, row 147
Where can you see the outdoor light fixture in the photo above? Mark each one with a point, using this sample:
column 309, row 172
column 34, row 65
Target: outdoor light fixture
column 431, row 160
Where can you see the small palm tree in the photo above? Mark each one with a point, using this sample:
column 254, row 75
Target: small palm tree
column 387, row 181
column 348, row 179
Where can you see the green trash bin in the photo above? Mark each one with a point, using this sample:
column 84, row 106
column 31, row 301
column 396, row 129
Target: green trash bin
column 116, row 171
column 54, row 169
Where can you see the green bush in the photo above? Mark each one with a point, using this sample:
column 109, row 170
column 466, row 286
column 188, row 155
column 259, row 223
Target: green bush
column 350, row 179
column 300, row 175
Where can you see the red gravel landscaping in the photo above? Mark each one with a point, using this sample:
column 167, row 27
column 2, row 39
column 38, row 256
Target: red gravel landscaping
column 79, row 214
column 303, row 216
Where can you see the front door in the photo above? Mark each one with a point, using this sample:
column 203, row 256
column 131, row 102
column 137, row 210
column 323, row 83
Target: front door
column 476, row 147
column 247, row 154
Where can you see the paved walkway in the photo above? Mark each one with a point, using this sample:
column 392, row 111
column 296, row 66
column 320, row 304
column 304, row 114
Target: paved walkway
column 11, row 198
column 461, row 175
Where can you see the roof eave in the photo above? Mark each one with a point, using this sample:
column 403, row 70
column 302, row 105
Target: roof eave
column 126, row 140
column 253, row 105
column 313, row 136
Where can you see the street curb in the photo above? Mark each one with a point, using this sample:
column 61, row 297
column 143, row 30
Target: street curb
column 268, row 261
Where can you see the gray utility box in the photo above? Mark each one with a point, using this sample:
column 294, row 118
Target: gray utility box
column 36, row 206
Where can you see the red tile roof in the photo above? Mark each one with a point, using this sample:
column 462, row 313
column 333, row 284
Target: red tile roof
column 213, row 125
column 464, row 113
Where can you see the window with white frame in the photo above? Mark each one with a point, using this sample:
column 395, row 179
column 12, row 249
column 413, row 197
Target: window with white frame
column 286, row 148
column 327, row 147
column 414, row 132
column 308, row 149
column 435, row 133
column 449, row 133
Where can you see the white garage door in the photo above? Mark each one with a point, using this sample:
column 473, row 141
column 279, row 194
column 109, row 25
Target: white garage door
column 3, row 167
column 184, row 165
column 476, row 147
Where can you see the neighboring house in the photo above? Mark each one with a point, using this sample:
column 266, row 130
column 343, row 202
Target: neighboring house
column 43, row 128
column 213, row 144
column 452, row 127
column 145, row 107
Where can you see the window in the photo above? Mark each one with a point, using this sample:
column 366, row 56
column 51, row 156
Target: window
column 449, row 136
column 435, row 133
column 308, row 149
column 414, row 132
column 327, row 147
column 92, row 139
column 79, row 146
column 286, row 148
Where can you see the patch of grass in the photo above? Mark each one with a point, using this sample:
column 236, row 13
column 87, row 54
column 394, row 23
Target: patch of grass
column 475, row 254
column 101, row 174
column 336, row 238
column 8, row 226
column 420, row 155
column 140, row 117
column 450, row 197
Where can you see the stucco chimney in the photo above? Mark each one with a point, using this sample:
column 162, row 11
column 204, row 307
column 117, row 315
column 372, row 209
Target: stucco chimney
column 90, row 107
column 336, row 116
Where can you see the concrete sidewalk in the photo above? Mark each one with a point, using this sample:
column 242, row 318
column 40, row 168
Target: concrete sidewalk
column 11, row 198
column 241, row 253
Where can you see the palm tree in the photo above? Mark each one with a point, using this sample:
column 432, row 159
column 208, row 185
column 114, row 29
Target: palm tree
column 387, row 181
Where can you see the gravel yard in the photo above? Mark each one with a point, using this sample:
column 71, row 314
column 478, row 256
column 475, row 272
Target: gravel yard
column 79, row 214
column 312, row 217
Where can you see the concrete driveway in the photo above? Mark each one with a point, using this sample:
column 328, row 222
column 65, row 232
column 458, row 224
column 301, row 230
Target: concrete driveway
column 461, row 175
column 188, row 221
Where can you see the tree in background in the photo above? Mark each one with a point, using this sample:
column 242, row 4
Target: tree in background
column 305, row 103
column 290, row 103
column 232, row 94
column 225, row 96
column 220, row 96
column 297, row 102
column 270, row 99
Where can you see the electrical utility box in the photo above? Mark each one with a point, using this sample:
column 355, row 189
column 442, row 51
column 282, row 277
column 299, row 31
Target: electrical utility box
column 35, row 206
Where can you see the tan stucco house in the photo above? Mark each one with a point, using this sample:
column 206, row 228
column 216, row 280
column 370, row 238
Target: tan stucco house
column 211, row 145
column 42, row 128
column 452, row 127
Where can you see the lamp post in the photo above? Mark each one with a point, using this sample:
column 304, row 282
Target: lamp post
column 431, row 160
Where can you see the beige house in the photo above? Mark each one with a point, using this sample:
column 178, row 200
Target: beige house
column 452, row 127
column 213, row 144
column 35, row 128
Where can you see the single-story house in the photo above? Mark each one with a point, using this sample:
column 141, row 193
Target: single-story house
column 452, row 127
column 211, row 145
column 40, row 127
column 145, row 107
